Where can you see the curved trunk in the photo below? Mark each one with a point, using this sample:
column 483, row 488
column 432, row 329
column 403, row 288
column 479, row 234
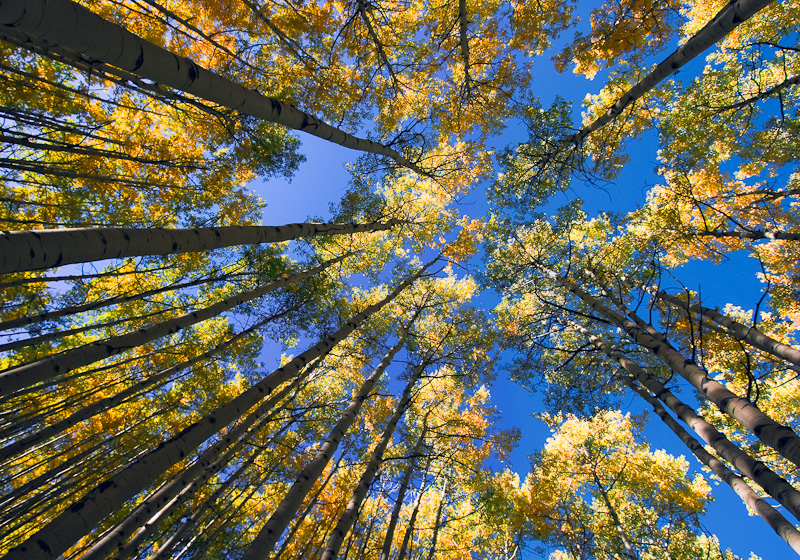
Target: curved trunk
column 51, row 367
column 46, row 248
column 79, row 33
column 78, row 520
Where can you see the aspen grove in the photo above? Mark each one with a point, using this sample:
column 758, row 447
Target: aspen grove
column 179, row 379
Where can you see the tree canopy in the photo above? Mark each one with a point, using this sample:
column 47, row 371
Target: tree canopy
column 179, row 379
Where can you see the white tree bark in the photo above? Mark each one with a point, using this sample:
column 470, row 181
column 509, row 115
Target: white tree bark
column 46, row 369
column 774, row 519
column 757, row 471
column 779, row 437
column 348, row 517
column 80, row 33
column 269, row 534
column 727, row 19
column 46, row 248
column 79, row 519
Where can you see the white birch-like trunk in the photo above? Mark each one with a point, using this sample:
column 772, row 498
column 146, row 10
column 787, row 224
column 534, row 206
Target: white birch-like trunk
column 727, row 19
column 162, row 500
column 787, row 531
column 49, row 368
column 347, row 518
column 269, row 534
column 779, row 437
column 757, row 471
column 24, row 444
column 79, row 519
column 757, row 234
column 401, row 494
column 80, row 33
column 37, row 249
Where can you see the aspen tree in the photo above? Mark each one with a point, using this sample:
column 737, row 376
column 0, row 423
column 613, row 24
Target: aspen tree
column 58, row 535
column 31, row 250
column 39, row 24
column 346, row 520
column 755, row 470
column 48, row 368
column 780, row 438
column 288, row 507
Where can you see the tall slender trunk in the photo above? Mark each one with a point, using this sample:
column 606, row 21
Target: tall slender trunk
column 787, row 531
column 630, row 552
column 298, row 520
column 24, row 444
column 362, row 489
column 438, row 523
column 269, row 534
column 753, row 234
column 739, row 331
column 401, row 494
column 105, row 302
column 777, row 436
column 200, row 471
column 37, row 249
column 409, row 532
column 80, row 34
column 776, row 486
column 166, row 548
column 66, row 529
column 727, row 19
column 51, row 367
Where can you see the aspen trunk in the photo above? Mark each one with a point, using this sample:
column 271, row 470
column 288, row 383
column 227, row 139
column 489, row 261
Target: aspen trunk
column 80, row 33
column 362, row 489
column 165, row 549
column 774, row 519
column 401, row 494
column 777, row 436
column 99, row 304
column 37, row 249
column 756, row 234
column 200, row 472
column 298, row 520
column 268, row 536
column 727, row 19
column 51, row 367
column 24, row 444
column 66, row 529
column 758, row 472
column 739, row 331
